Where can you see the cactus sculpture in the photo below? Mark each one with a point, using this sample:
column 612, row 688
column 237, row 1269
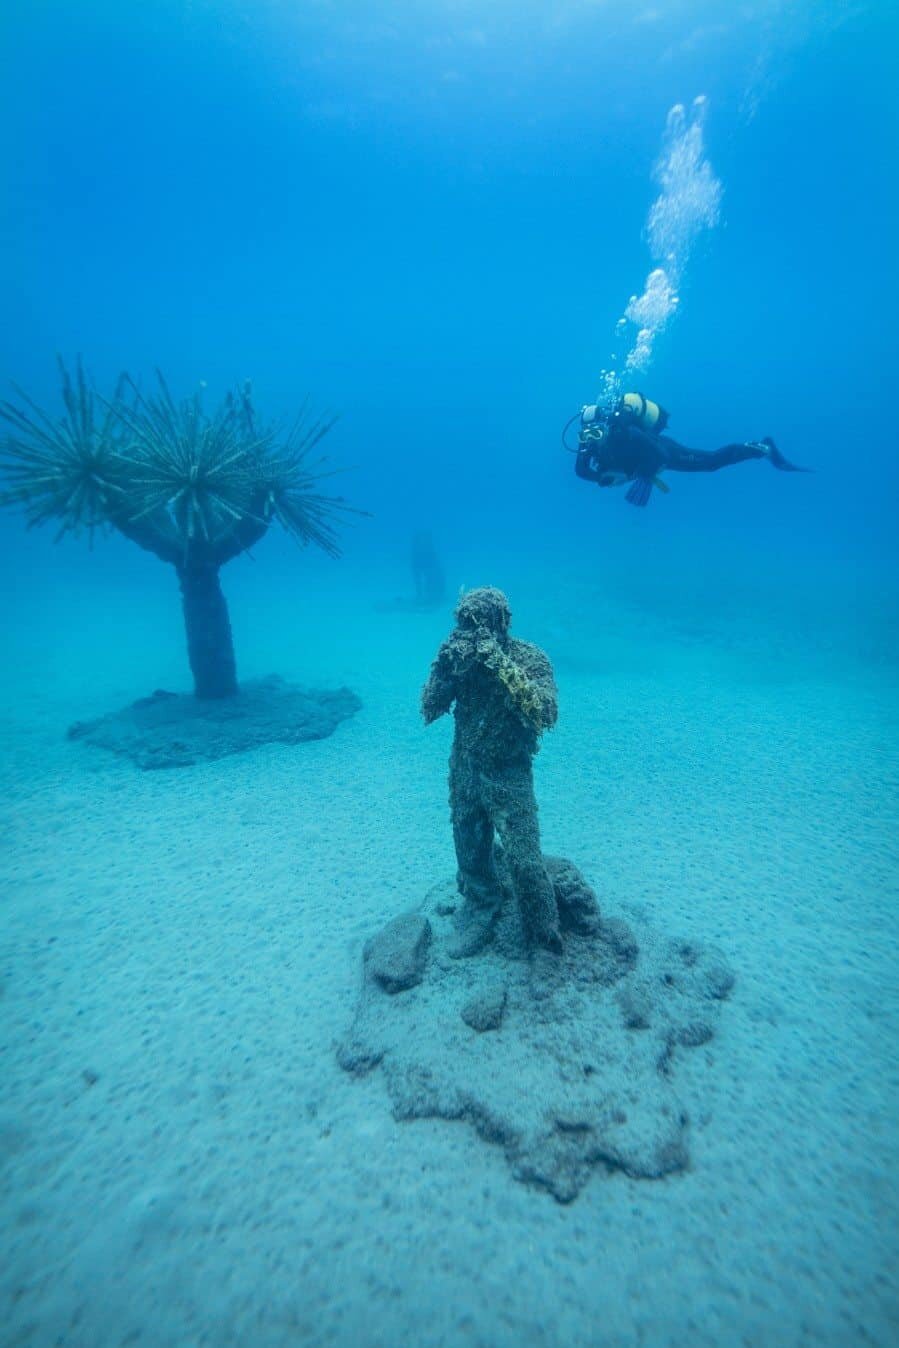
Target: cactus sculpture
column 195, row 488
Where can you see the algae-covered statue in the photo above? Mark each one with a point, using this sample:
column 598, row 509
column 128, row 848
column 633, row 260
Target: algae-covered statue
column 504, row 696
column 559, row 1038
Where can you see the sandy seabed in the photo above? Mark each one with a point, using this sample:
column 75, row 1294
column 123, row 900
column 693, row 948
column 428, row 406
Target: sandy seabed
column 183, row 1161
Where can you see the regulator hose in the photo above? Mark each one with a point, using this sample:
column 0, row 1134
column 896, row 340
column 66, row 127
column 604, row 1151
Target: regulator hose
column 565, row 445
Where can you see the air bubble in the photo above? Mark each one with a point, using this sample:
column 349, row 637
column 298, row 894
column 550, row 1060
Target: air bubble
column 688, row 203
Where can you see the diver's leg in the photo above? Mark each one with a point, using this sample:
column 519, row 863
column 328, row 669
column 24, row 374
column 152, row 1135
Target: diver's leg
column 476, row 877
column 680, row 459
column 515, row 816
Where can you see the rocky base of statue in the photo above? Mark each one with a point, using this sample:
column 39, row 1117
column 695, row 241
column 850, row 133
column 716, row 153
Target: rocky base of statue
column 569, row 1063
column 175, row 730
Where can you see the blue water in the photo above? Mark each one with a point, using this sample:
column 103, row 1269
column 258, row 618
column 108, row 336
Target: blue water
column 429, row 217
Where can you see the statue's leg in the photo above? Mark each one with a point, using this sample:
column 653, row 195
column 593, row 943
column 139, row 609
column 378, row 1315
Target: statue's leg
column 472, row 833
column 476, row 877
column 515, row 817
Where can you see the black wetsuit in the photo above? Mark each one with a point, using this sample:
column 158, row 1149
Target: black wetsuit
column 628, row 453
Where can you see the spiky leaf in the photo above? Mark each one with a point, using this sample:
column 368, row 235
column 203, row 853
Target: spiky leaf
column 68, row 470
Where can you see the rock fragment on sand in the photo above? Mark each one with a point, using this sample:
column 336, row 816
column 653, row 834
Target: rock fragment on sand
column 485, row 1011
column 636, row 1005
column 397, row 956
column 576, row 900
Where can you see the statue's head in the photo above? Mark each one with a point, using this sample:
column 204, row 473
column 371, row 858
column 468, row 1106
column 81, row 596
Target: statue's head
column 485, row 608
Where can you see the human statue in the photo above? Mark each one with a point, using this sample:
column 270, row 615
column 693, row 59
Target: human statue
column 503, row 696
column 610, row 1008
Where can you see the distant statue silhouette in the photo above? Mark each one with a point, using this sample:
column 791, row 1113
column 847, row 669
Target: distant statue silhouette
column 427, row 573
column 428, row 580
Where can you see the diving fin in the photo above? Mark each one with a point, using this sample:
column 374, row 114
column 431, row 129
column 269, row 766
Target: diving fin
column 777, row 460
column 639, row 492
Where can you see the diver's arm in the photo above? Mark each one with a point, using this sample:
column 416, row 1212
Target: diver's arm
column 637, row 452
column 625, row 452
column 585, row 465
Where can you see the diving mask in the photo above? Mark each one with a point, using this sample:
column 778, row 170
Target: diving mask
column 594, row 424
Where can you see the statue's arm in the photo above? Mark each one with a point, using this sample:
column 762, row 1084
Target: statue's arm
column 440, row 690
column 541, row 675
column 528, row 676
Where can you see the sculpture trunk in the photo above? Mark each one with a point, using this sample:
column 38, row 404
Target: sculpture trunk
column 210, row 646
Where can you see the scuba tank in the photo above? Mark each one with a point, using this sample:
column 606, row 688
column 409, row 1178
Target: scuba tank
column 643, row 412
column 596, row 419
column 597, row 424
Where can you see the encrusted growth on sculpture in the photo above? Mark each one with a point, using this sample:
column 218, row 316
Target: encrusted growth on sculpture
column 503, row 696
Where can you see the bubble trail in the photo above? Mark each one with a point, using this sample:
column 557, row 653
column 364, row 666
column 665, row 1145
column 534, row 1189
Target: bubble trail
column 689, row 202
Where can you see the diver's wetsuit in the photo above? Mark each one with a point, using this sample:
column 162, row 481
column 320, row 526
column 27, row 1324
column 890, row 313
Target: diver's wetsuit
column 628, row 452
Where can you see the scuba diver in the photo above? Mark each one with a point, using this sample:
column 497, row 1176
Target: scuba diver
column 626, row 444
